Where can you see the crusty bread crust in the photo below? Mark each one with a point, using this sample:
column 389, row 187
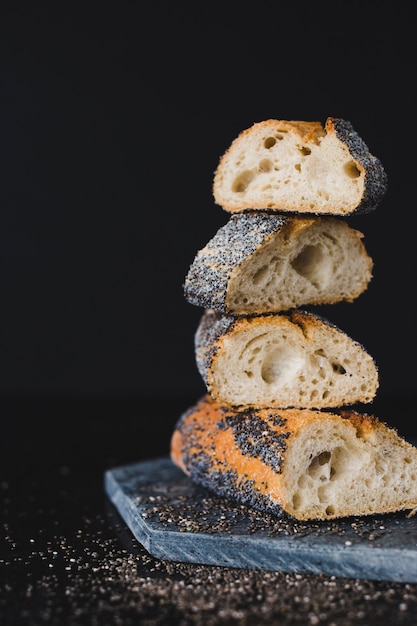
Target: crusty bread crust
column 300, row 167
column 303, row 463
column 293, row 359
column 259, row 262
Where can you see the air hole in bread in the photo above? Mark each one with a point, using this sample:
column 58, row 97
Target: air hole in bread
column 270, row 142
column 305, row 151
column 338, row 368
column 265, row 165
column 316, row 462
column 242, row 181
column 255, row 351
column 352, row 170
column 324, row 194
column 259, row 276
column 313, row 265
column 281, row 365
column 296, row 501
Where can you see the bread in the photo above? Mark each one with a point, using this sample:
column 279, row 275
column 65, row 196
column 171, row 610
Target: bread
column 302, row 463
column 300, row 167
column 259, row 263
column 282, row 360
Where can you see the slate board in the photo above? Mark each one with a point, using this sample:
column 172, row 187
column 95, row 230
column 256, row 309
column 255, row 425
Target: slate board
column 177, row 520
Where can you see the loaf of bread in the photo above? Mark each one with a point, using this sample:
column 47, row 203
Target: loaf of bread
column 260, row 263
column 302, row 463
column 300, row 167
column 284, row 360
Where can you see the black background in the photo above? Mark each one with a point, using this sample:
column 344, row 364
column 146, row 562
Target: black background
column 113, row 118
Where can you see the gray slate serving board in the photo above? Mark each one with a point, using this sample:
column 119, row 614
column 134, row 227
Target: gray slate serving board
column 177, row 520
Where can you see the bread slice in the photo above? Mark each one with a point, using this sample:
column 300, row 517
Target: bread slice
column 282, row 360
column 301, row 167
column 260, row 263
column 303, row 463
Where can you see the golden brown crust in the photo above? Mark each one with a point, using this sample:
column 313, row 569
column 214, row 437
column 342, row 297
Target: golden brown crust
column 307, row 131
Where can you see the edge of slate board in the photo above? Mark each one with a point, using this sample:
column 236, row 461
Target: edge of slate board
column 385, row 549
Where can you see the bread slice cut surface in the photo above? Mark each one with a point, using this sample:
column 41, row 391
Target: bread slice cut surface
column 260, row 263
column 284, row 360
column 300, row 167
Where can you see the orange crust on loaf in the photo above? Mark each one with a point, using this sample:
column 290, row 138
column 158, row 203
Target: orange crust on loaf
column 241, row 454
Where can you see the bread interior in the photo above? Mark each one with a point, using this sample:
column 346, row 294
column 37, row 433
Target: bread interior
column 336, row 468
column 320, row 260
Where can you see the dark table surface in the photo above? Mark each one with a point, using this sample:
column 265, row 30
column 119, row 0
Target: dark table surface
column 67, row 558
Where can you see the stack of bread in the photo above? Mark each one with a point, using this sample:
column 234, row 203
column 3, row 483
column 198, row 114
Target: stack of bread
column 278, row 429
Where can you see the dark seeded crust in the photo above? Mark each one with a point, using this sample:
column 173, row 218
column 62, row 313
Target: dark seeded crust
column 212, row 327
column 376, row 181
column 207, row 279
column 194, row 448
